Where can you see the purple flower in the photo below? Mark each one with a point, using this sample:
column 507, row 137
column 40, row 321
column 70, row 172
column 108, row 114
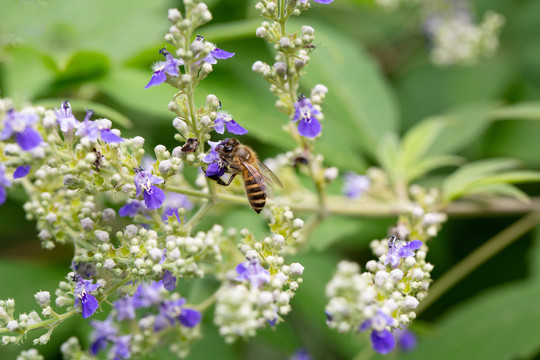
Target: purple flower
column 301, row 354
column 125, row 308
column 406, row 339
column 225, row 119
column 104, row 331
column 308, row 126
column 132, row 207
column 381, row 339
column 216, row 54
column 162, row 68
column 355, row 185
column 254, row 272
column 21, row 171
column 147, row 295
column 120, row 347
column 90, row 130
column 65, row 118
column 173, row 310
column 4, row 183
column 173, row 203
column 88, row 302
column 21, row 125
column 153, row 196
column 398, row 249
column 169, row 281
column 217, row 167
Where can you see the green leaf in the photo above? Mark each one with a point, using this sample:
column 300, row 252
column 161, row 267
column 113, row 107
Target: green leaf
column 84, row 66
column 419, row 139
column 521, row 111
column 462, row 126
column 80, row 105
column 499, row 189
column 473, row 172
column 513, row 177
column 388, row 151
column 25, row 74
column 359, row 100
column 126, row 86
column 429, row 163
column 499, row 325
column 331, row 231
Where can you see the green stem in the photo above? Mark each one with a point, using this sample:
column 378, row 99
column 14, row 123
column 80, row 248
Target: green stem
column 479, row 256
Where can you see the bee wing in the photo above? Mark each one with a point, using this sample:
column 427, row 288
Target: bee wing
column 269, row 175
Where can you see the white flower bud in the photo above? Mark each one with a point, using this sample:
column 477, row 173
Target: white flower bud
column 298, row 223
column 308, row 30
column 155, row 254
column 417, row 274
column 278, row 239
column 265, row 298
column 396, row 275
column 108, row 215
column 296, row 269
column 380, row 278
column 101, row 235
column 174, row 15
column 331, row 174
column 109, row 264
column 252, row 255
column 258, row 67
column 43, row 298
column 12, row 326
column 159, row 149
column 51, row 218
column 410, row 261
column 87, row 224
column 261, row 32
column 285, row 42
column 410, row 303
column 131, row 230
column 164, row 167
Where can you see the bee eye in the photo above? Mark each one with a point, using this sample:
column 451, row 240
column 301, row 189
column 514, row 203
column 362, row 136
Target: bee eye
column 227, row 148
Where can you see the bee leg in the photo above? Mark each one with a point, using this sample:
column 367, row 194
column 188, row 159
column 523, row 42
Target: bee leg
column 228, row 182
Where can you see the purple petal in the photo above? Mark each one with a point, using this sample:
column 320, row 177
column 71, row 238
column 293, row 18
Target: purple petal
column 28, row 139
column 89, row 306
column 221, row 54
column 158, row 77
column 214, row 170
column 309, row 128
column 109, row 137
column 130, row 209
column 413, row 245
column 234, row 128
column 382, row 341
column 393, row 260
column 323, row 1
column 21, row 171
column 219, row 126
column 3, row 195
column 365, row 325
column 403, row 253
column 154, row 198
column 406, row 339
column 189, row 317
column 169, row 281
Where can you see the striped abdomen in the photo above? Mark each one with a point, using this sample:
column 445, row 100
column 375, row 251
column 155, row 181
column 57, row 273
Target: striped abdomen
column 255, row 193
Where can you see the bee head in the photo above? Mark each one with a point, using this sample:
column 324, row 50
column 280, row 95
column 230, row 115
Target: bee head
column 228, row 145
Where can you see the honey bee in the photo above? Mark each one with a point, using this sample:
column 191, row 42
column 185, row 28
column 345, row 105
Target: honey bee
column 258, row 179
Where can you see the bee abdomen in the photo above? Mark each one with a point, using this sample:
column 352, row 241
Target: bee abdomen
column 255, row 195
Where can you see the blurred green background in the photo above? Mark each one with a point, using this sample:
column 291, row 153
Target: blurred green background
column 98, row 54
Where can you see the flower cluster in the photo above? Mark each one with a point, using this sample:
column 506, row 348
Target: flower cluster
column 384, row 297
column 456, row 39
column 161, row 312
column 453, row 36
column 259, row 290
